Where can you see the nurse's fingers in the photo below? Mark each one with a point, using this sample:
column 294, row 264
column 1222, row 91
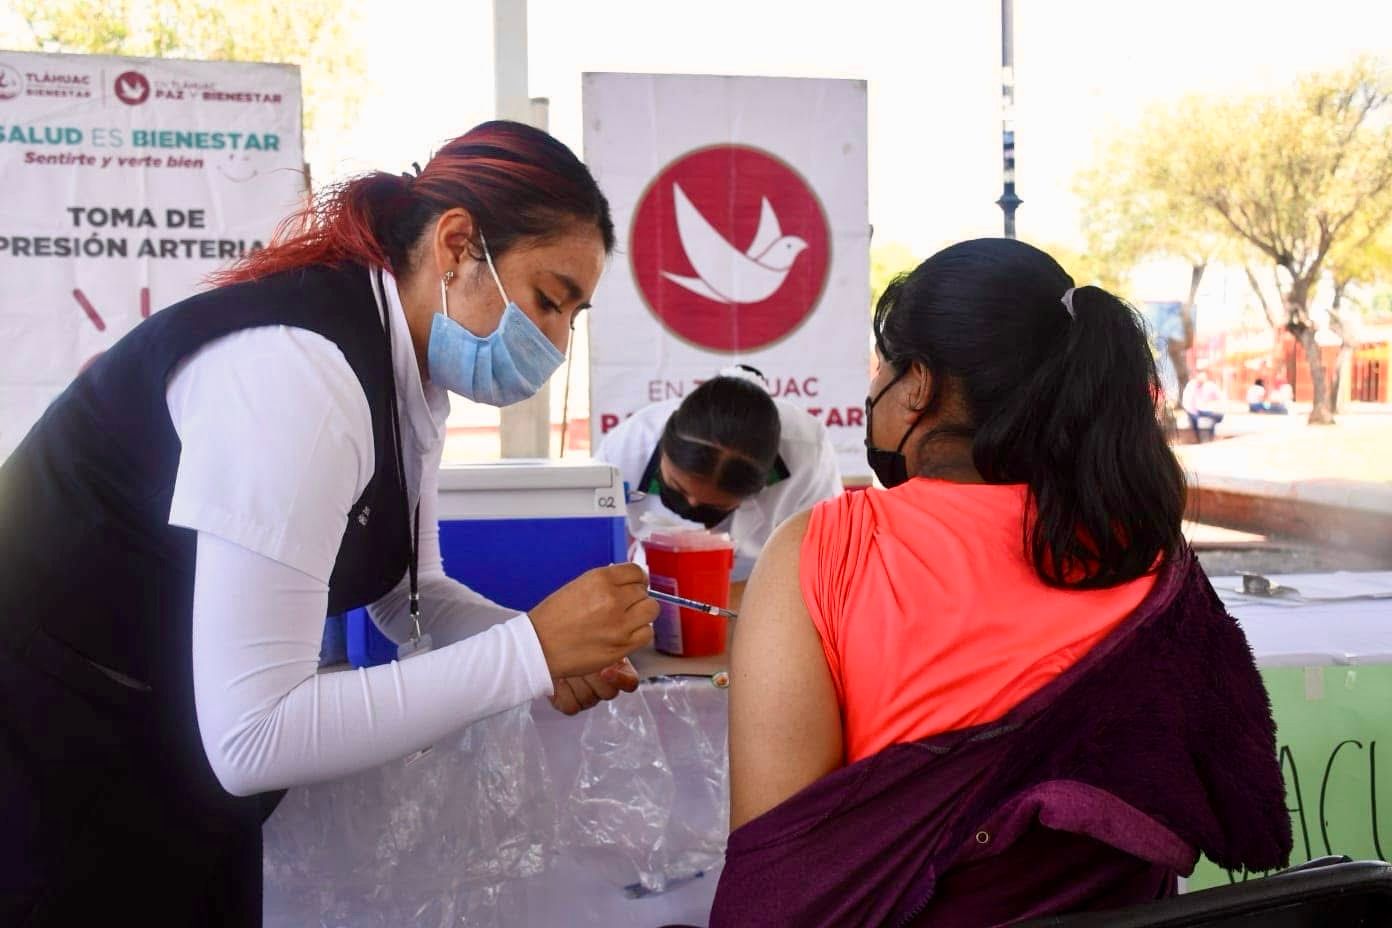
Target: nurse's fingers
column 585, row 693
column 642, row 637
column 622, row 675
column 627, row 575
column 643, row 612
column 588, row 624
column 564, row 699
column 597, row 685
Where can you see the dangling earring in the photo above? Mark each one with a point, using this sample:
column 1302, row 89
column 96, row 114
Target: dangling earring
column 444, row 292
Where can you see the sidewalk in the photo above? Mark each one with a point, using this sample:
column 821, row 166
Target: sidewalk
column 1284, row 478
column 1346, row 465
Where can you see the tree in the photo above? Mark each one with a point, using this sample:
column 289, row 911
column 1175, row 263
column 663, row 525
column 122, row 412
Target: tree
column 1131, row 212
column 318, row 35
column 1365, row 261
column 1296, row 176
column 1086, row 267
column 1252, row 262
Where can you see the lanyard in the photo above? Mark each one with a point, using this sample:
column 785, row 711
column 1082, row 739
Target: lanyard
column 412, row 564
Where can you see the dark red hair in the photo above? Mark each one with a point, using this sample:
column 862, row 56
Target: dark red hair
column 516, row 181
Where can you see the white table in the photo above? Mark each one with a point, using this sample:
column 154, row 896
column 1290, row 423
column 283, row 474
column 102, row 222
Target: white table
column 532, row 818
column 1333, row 618
column 529, row 818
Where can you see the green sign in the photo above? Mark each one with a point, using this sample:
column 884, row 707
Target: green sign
column 1334, row 729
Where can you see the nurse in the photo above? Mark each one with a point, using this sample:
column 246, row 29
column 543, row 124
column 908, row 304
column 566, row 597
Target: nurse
column 727, row 457
column 177, row 525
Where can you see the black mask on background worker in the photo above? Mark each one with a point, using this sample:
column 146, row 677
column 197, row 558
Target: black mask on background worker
column 709, row 516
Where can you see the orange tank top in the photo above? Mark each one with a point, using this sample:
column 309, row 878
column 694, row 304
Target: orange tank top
column 931, row 617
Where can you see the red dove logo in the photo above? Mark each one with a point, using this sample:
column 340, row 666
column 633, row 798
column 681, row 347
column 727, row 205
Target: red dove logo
column 11, row 82
column 132, row 88
column 730, row 248
column 724, row 273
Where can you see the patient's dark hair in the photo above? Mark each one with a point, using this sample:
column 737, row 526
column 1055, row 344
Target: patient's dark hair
column 1063, row 401
column 727, row 431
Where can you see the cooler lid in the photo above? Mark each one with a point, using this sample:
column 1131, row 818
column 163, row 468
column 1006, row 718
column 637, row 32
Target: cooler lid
column 529, row 474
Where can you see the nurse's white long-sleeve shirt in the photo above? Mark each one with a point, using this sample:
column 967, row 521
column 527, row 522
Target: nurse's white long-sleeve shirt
column 277, row 445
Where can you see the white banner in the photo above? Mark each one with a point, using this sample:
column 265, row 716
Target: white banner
column 741, row 208
column 126, row 181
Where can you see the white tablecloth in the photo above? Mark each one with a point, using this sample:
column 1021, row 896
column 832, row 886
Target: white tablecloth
column 1335, row 618
column 532, row 818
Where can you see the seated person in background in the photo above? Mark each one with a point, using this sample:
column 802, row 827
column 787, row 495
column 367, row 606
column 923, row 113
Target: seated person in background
column 729, row 457
column 1202, row 400
column 1001, row 687
column 1257, row 400
column 1256, row 396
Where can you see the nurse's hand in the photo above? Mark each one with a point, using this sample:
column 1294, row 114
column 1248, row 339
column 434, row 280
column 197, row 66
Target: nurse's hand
column 595, row 620
column 576, row 694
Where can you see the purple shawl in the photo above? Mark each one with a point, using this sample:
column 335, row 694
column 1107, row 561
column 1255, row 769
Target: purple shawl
column 1156, row 746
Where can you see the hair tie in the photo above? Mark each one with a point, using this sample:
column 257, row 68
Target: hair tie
column 746, row 372
column 1067, row 302
column 408, row 176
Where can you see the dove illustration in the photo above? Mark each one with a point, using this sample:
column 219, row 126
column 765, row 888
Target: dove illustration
column 129, row 90
column 724, row 273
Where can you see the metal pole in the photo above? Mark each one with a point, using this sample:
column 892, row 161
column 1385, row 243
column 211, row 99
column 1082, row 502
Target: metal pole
column 1008, row 201
column 524, row 428
column 510, row 60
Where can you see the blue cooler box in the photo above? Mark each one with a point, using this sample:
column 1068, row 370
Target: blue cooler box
column 516, row 531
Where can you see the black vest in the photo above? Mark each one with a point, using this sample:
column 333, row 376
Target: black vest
column 87, row 556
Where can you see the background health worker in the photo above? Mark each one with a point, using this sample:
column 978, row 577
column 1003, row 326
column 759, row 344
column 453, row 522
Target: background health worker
column 728, row 457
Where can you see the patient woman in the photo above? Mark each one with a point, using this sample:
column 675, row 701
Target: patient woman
column 1001, row 687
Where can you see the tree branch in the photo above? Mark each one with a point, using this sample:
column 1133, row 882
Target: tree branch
column 1261, row 297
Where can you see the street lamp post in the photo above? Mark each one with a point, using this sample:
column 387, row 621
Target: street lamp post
column 1008, row 201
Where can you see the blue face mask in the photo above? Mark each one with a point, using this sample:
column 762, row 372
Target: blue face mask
column 504, row 368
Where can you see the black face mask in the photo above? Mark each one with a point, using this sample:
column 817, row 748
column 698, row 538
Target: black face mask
column 709, row 516
column 891, row 468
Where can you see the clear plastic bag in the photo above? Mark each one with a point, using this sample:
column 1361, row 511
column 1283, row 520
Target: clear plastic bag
column 692, row 720
column 463, row 835
column 617, row 811
column 509, row 826
column 420, row 841
column 649, row 803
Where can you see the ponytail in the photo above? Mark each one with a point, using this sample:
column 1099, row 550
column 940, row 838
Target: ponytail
column 1082, row 432
column 368, row 220
column 1060, row 396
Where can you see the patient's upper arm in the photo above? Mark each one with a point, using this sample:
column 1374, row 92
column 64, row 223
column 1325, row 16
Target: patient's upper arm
column 785, row 725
